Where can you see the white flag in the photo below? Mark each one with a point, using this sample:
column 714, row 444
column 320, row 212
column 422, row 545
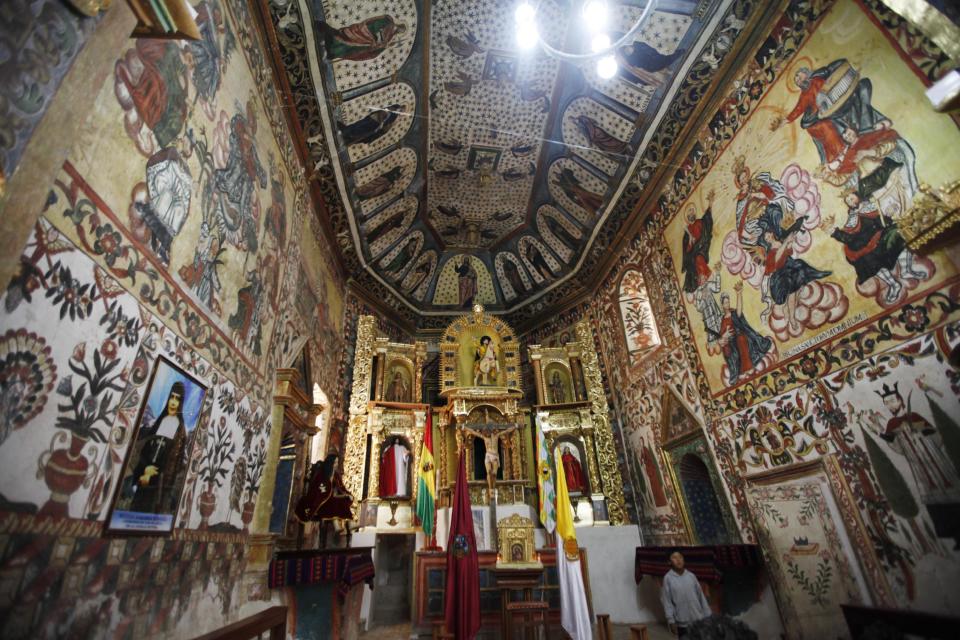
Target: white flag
column 574, row 612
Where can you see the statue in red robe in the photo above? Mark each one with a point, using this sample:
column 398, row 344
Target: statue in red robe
column 325, row 498
column 576, row 483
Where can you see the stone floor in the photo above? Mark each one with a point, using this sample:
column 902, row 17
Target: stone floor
column 402, row 632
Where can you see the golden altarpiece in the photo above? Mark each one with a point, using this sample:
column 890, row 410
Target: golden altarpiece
column 572, row 411
column 483, row 413
column 387, row 418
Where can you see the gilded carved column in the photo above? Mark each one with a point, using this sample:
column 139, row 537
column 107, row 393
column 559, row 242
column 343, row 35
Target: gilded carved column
column 537, row 367
column 379, row 364
column 444, row 417
column 603, row 434
column 421, row 356
column 359, row 397
column 375, row 427
column 420, row 423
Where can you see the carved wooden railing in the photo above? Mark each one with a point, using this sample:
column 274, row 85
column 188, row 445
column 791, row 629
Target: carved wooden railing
column 272, row 621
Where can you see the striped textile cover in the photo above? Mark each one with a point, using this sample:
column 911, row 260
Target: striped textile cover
column 347, row 567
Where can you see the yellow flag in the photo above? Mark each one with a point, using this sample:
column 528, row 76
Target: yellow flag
column 574, row 611
column 564, row 508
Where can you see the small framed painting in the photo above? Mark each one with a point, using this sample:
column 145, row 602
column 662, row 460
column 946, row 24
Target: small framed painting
column 149, row 490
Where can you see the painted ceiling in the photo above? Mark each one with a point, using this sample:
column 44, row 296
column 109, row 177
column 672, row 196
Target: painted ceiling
column 457, row 169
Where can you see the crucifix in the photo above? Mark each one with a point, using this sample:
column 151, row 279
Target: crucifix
column 491, row 459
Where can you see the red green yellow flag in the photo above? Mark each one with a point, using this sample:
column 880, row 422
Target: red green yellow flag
column 426, row 482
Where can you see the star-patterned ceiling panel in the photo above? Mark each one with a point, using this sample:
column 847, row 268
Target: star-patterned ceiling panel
column 433, row 137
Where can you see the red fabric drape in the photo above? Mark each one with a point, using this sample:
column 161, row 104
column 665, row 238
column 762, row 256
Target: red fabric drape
column 462, row 607
column 388, row 473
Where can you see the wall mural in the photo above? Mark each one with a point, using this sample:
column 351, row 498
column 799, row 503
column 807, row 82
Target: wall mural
column 447, row 88
column 175, row 231
column 898, row 412
column 791, row 239
column 811, row 560
column 870, row 397
column 41, row 38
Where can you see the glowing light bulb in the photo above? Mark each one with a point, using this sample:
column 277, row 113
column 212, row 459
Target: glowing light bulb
column 606, row 67
column 595, row 14
column 527, row 36
column 525, row 13
column 600, row 42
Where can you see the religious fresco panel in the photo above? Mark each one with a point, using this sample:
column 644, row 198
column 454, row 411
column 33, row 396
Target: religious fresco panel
column 463, row 282
column 791, row 238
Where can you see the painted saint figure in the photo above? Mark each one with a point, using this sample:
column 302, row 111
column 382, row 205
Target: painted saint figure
column 872, row 244
column 641, row 64
column 361, row 40
column 491, row 457
column 513, row 276
column 379, row 185
column 558, row 394
column 652, row 471
column 600, row 137
column 161, row 457
column 561, row 233
column 576, row 482
column 705, row 301
column 912, row 436
column 570, row 184
column 386, row 226
column 832, row 98
column 696, row 247
column 540, row 265
column 486, row 367
column 787, row 275
column 466, row 283
column 246, row 322
column 397, row 391
column 398, row 265
column 201, row 275
column 233, row 190
column 742, row 347
column 370, row 128
column 169, row 187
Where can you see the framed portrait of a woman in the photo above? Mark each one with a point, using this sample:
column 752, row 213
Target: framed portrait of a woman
column 156, row 463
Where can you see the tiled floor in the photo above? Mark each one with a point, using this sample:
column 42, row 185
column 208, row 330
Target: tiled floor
column 402, row 632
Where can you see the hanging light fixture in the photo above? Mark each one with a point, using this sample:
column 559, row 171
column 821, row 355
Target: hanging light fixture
column 594, row 16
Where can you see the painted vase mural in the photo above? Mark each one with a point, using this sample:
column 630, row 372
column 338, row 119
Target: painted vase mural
column 65, row 470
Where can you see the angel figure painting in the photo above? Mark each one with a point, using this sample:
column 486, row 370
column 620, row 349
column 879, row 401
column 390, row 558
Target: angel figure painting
column 486, row 367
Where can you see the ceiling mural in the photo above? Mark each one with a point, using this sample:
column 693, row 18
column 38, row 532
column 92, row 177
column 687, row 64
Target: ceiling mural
column 433, row 137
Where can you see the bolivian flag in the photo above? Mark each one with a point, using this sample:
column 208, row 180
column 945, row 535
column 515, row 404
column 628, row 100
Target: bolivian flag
column 574, row 612
column 426, row 484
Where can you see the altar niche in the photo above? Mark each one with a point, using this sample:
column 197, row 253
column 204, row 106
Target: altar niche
column 570, row 451
column 479, row 351
column 396, row 470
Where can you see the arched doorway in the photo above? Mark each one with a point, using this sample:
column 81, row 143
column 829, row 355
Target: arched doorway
column 703, row 505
